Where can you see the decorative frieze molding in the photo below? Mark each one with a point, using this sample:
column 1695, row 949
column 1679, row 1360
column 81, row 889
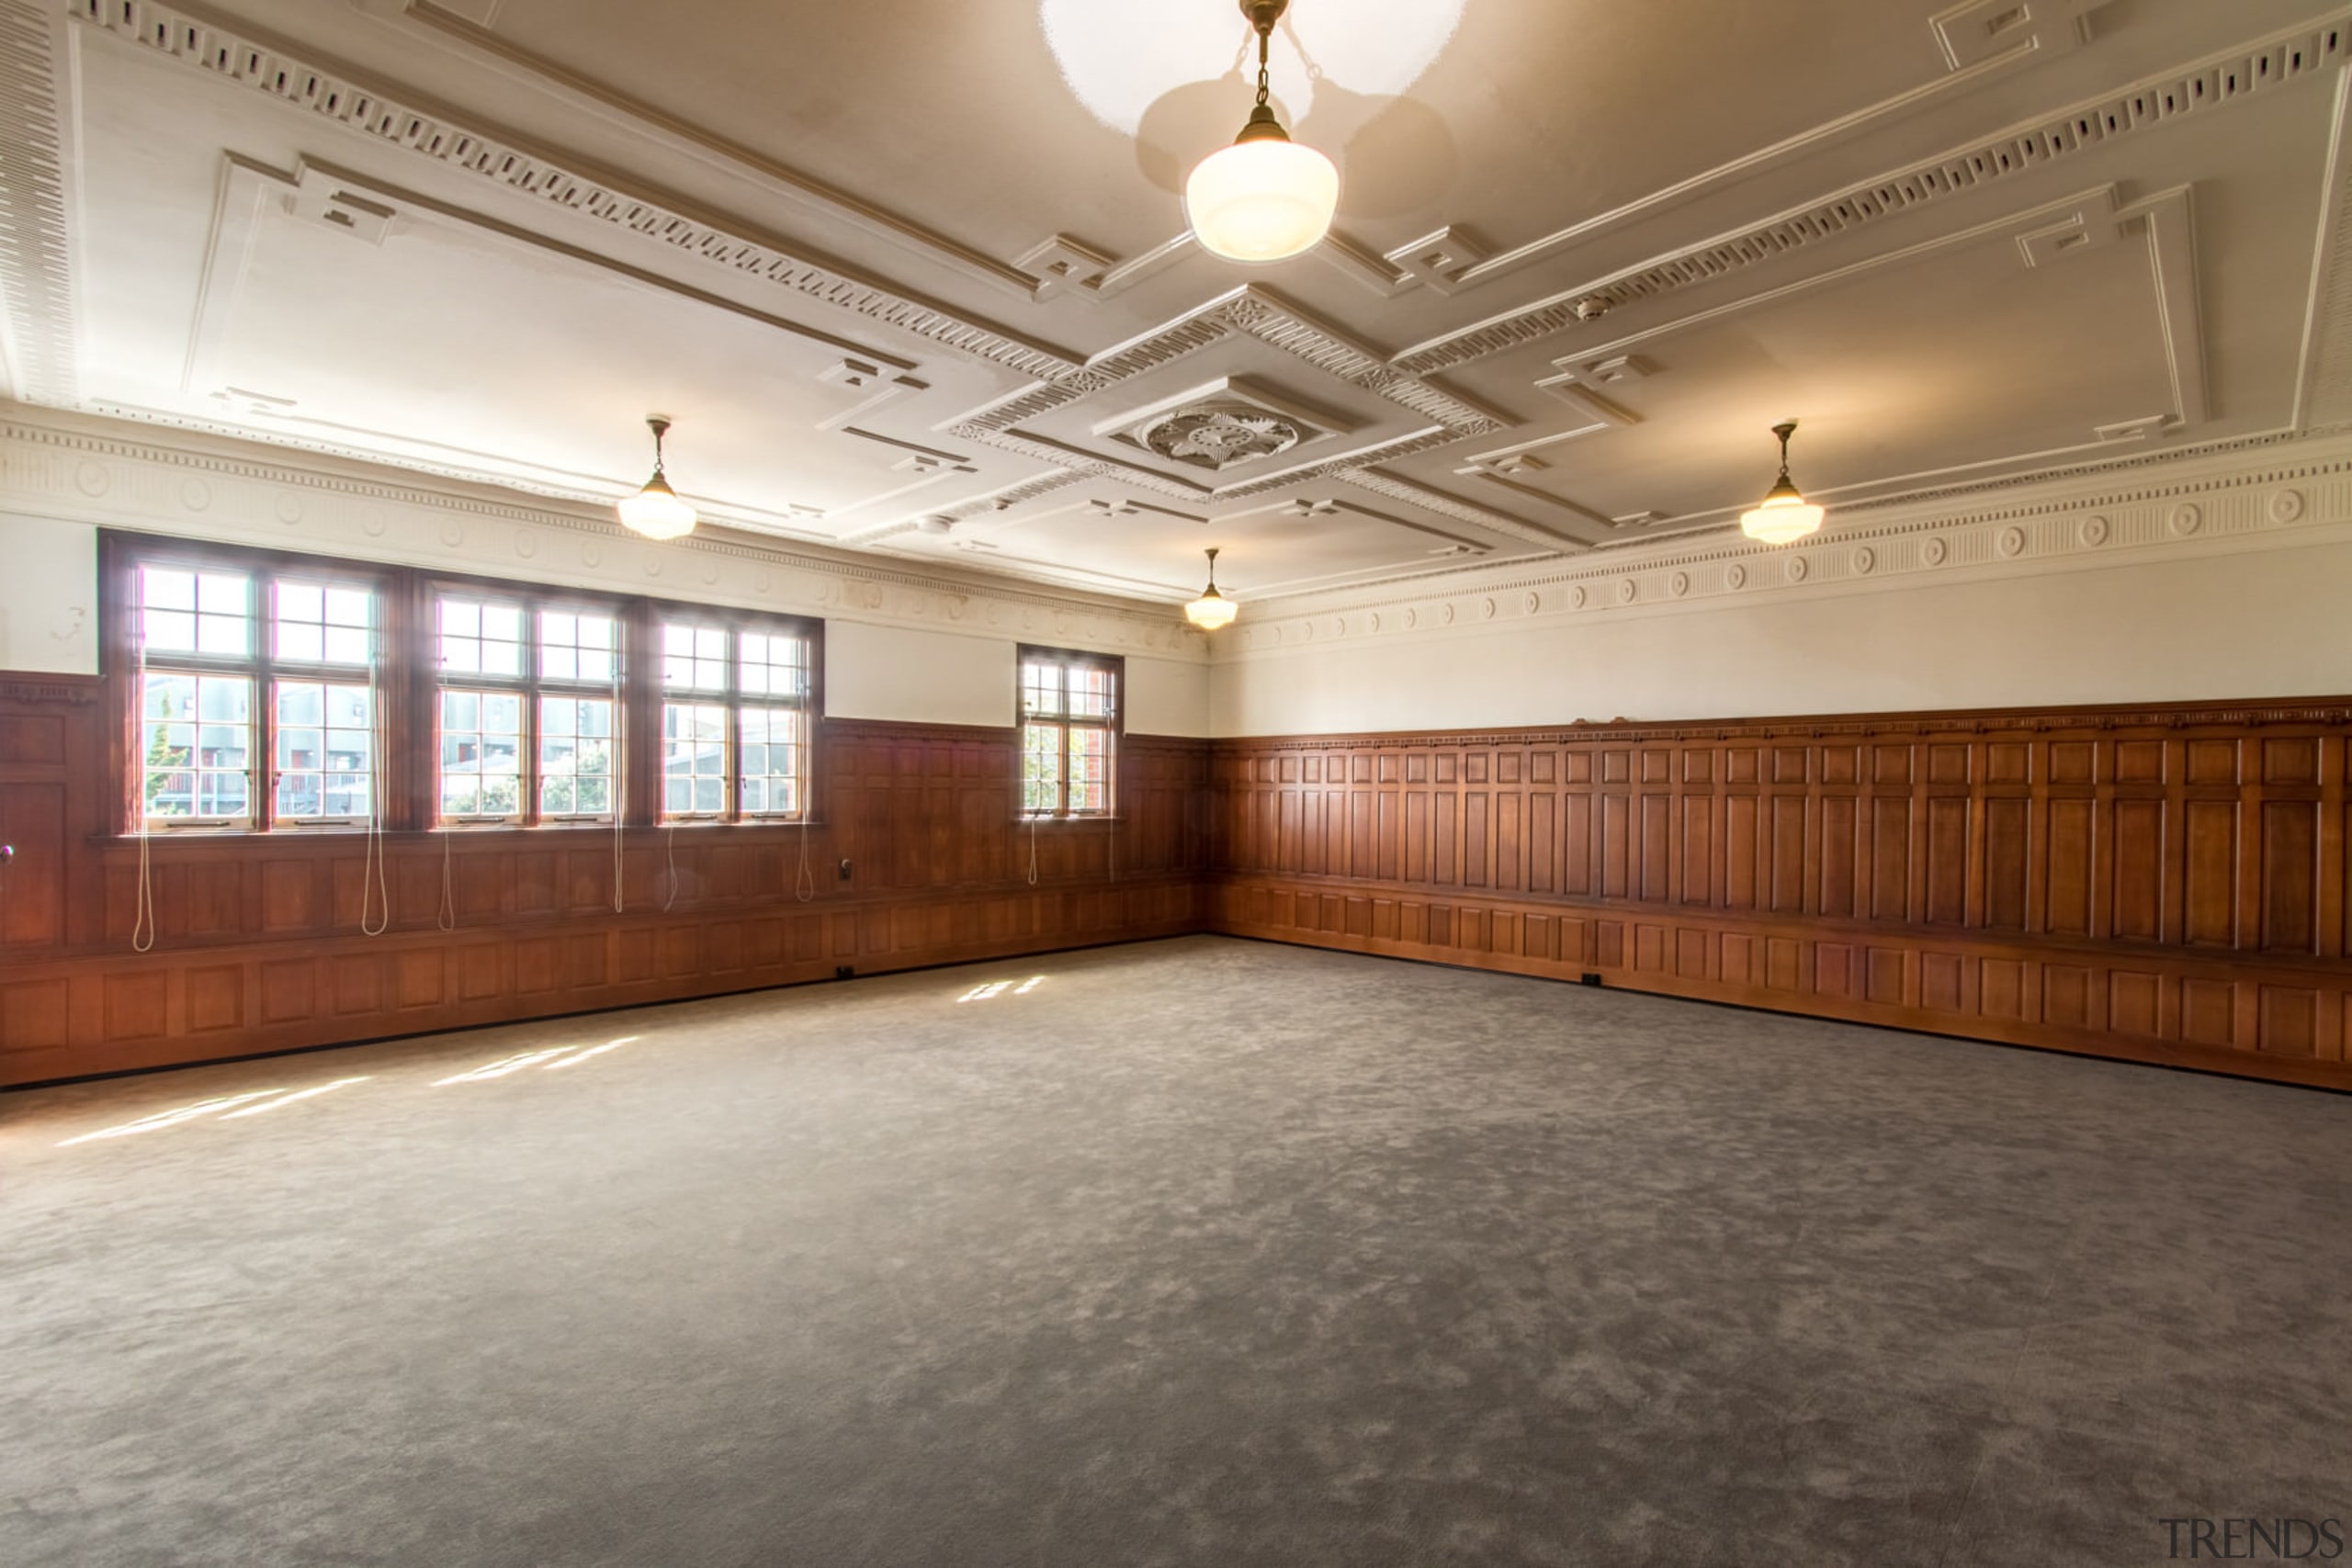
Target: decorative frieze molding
column 2295, row 54
column 78, row 692
column 1982, row 721
column 2325, row 396
column 440, row 138
column 2242, row 496
column 35, row 284
column 1249, row 312
column 76, row 468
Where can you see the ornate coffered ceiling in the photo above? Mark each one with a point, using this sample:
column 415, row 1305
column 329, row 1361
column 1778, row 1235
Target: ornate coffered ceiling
column 911, row 275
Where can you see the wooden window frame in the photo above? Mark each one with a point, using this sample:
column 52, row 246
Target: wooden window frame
column 1113, row 727
column 808, row 705
column 409, row 683
column 535, row 687
column 121, row 557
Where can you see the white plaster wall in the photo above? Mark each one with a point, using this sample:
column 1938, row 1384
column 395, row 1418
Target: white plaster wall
column 49, row 596
column 1165, row 697
column 2272, row 623
column 918, row 677
column 926, row 677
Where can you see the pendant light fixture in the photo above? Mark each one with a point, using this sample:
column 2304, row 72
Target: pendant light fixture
column 1266, row 197
column 1212, row 609
column 1784, row 516
column 656, row 510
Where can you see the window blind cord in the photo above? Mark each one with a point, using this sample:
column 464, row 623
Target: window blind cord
column 804, row 885
column 374, row 858
column 670, row 853
column 1032, row 849
column 620, row 796
column 445, row 917
column 142, row 924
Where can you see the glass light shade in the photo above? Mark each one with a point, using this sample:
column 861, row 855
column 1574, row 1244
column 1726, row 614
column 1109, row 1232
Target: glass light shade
column 1211, row 611
column 1784, row 516
column 1262, row 199
column 655, row 512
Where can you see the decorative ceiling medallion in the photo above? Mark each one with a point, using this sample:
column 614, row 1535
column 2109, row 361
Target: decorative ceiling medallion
column 2287, row 506
column 1933, row 551
column 2095, row 530
column 1576, row 598
column 1217, row 436
column 2187, row 518
column 1735, row 575
column 2013, row 541
column 1865, row 560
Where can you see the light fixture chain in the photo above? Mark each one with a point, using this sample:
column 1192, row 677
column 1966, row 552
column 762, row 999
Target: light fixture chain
column 1266, row 48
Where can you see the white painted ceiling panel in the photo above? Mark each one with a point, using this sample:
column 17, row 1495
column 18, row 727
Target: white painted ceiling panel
column 909, row 274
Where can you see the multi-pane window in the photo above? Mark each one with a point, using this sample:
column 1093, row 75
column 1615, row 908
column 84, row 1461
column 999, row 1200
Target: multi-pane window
column 734, row 721
column 528, row 711
column 256, row 704
column 263, row 689
column 1069, row 716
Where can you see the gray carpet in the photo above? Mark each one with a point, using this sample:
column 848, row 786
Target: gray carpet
column 1198, row 1252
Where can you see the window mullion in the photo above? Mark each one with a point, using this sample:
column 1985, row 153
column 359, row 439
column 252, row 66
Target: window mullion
column 526, row 764
column 261, row 772
column 730, row 765
column 1061, row 692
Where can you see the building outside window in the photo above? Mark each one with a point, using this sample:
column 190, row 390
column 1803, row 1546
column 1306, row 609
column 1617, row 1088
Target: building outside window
column 735, row 719
column 255, row 697
column 1069, row 718
column 529, row 701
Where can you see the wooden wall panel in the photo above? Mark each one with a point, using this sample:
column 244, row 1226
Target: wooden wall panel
column 258, row 946
column 2167, row 883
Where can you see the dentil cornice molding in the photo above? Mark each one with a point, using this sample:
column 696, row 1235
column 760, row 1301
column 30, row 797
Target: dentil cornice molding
column 2239, row 496
column 80, row 469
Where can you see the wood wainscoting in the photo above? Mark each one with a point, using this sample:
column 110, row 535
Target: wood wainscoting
column 258, row 942
column 2166, row 883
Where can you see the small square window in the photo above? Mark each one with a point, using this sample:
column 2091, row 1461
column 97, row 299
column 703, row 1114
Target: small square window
column 694, row 659
column 321, row 623
column 576, row 645
column 774, row 666
column 184, row 610
column 479, row 638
